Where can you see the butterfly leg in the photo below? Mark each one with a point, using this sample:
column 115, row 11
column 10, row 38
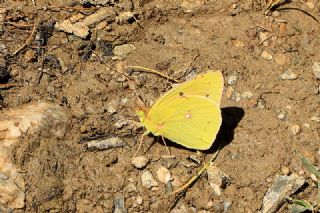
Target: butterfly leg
column 165, row 144
column 140, row 143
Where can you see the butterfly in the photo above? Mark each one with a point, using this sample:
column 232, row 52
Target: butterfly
column 188, row 114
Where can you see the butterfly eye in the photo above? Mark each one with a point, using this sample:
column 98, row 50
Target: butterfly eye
column 181, row 93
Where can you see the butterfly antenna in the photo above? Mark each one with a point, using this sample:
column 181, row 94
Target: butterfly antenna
column 144, row 69
column 165, row 144
column 140, row 144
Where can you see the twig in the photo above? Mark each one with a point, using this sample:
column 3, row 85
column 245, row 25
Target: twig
column 27, row 41
column 144, row 69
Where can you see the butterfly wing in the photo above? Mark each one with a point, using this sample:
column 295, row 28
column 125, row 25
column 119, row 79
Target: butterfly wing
column 209, row 84
column 191, row 121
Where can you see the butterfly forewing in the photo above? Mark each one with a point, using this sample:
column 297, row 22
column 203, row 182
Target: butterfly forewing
column 208, row 85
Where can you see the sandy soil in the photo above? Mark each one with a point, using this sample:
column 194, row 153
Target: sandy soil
column 268, row 120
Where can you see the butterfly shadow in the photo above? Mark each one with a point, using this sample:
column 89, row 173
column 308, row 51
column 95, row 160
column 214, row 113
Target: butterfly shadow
column 231, row 116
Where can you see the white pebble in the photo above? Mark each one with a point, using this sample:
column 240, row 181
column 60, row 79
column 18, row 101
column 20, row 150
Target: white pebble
column 148, row 181
column 295, row 129
column 288, row 75
column 164, row 175
column 140, row 161
column 316, row 69
column 247, row 95
column 266, row 55
column 139, row 200
column 315, row 119
column 281, row 116
column 232, row 79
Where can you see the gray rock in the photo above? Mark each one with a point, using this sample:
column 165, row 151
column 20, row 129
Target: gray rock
column 217, row 179
column 119, row 205
column 123, row 50
column 283, row 187
column 104, row 144
column 232, row 79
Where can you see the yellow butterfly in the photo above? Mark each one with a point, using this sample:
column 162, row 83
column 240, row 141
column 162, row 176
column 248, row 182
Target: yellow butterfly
column 188, row 114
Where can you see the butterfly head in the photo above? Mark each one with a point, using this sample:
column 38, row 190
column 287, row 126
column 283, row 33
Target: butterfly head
column 142, row 113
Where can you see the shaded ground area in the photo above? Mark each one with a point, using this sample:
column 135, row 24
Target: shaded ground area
column 270, row 103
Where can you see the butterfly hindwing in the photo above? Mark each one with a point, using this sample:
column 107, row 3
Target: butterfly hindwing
column 191, row 121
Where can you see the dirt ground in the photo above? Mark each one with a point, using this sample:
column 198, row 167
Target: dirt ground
column 268, row 120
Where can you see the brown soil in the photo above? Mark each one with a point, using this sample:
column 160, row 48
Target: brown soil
column 179, row 38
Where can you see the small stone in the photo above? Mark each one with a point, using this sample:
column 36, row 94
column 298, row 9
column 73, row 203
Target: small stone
column 281, row 116
column 104, row 144
column 148, row 181
column 264, row 36
column 226, row 205
column 281, row 59
column 295, row 129
column 306, row 125
column 210, row 204
column 236, row 97
column 111, row 109
column 164, row 175
column 217, row 179
column 261, row 104
column 139, row 200
column 229, row 92
column 315, row 119
column 131, row 187
column 284, row 186
column 275, row 14
column 123, row 50
column 30, row 56
column 266, row 55
column 119, row 206
column 120, row 123
column 285, row 170
column 310, row 5
column 313, row 177
column 316, row 69
column 288, row 75
column 232, row 79
column 139, row 161
column 247, row 95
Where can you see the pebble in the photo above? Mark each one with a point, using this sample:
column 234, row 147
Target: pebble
column 295, row 129
column 120, row 123
column 217, row 179
column 281, row 116
column 288, row 75
column 285, row 170
column 131, row 187
column 315, row 119
column 236, row 97
column 281, row 59
column 148, row 181
column 226, row 205
column 284, row 186
column 263, row 36
column 247, row 95
column 261, row 104
column 123, row 51
column 139, row 161
column 108, row 143
column 316, row 69
column 139, row 200
column 164, row 175
column 232, row 79
column 310, row 5
column 229, row 92
column 119, row 206
column 266, row 55
column 314, row 177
